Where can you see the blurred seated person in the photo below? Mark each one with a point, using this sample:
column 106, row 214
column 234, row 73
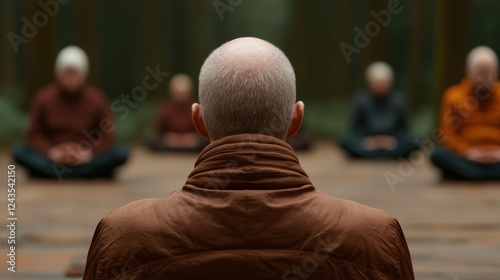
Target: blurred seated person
column 470, row 122
column 380, row 124
column 71, row 132
column 174, row 127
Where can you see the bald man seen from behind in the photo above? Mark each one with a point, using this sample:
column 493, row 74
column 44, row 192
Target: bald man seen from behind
column 248, row 210
column 71, row 131
column 469, row 122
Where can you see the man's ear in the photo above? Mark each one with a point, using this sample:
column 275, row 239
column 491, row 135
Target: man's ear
column 198, row 122
column 298, row 116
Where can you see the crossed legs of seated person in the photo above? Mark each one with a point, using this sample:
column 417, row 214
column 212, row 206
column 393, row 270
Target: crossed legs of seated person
column 469, row 167
column 177, row 142
column 380, row 146
column 70, row 165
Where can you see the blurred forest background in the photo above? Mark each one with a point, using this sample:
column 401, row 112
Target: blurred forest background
column 426, row 43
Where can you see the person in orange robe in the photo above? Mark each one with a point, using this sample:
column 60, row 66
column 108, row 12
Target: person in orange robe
column 470, row 122
column 174, row 128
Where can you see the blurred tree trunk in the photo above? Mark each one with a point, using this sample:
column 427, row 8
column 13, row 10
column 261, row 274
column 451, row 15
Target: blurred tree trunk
column 156, row 45
column 302, row 52
column 338, row 69
column 41, row 50
column 314, row 49
column 8, row 67
column 87, row 39
column 453, row 25
column 196, row 40
column 377, row 50
column 116, row 39
column 415, row 60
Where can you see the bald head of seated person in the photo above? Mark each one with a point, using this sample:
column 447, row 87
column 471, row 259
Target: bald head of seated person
column 380, row 125
column 469, row 122
column 248, row 209
column 71, row 131
column 174, row 128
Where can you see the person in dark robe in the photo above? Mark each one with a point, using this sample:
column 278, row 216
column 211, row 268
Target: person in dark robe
column 469, row 122
column 380, row 125
column 174, row 128
column 71, row 131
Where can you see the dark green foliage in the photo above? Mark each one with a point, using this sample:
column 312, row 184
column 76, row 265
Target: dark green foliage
column 425, row 42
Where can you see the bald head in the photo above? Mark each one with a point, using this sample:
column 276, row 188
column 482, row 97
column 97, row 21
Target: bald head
column 71, row 69
column 482, row 66
column 379, row 77
column 247, row 86
column 181, row 89
column 249, row 54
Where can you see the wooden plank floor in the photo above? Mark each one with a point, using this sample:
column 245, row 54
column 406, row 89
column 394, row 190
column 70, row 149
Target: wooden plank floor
column 453, row 229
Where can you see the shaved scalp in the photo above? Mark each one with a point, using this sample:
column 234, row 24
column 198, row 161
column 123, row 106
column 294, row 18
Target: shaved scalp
column 182, row 80
column 247, row 86
column 379, row 70
column 481, row 54
column 72, row 57
column 482, row 66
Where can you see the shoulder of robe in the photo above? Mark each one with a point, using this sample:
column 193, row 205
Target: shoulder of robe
column 398, row 98
column 96, row 94
column 46, row 94
column 361, row 215
column 362, row 98
column 137, row 215
column 455, row 93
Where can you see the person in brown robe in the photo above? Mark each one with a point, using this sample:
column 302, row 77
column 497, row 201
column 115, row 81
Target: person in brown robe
column 174, row 128
column 248, row 210
column 71, row 131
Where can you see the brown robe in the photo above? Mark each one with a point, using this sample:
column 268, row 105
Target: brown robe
column 248, row 211
column 57, row 117
column 175, row 118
